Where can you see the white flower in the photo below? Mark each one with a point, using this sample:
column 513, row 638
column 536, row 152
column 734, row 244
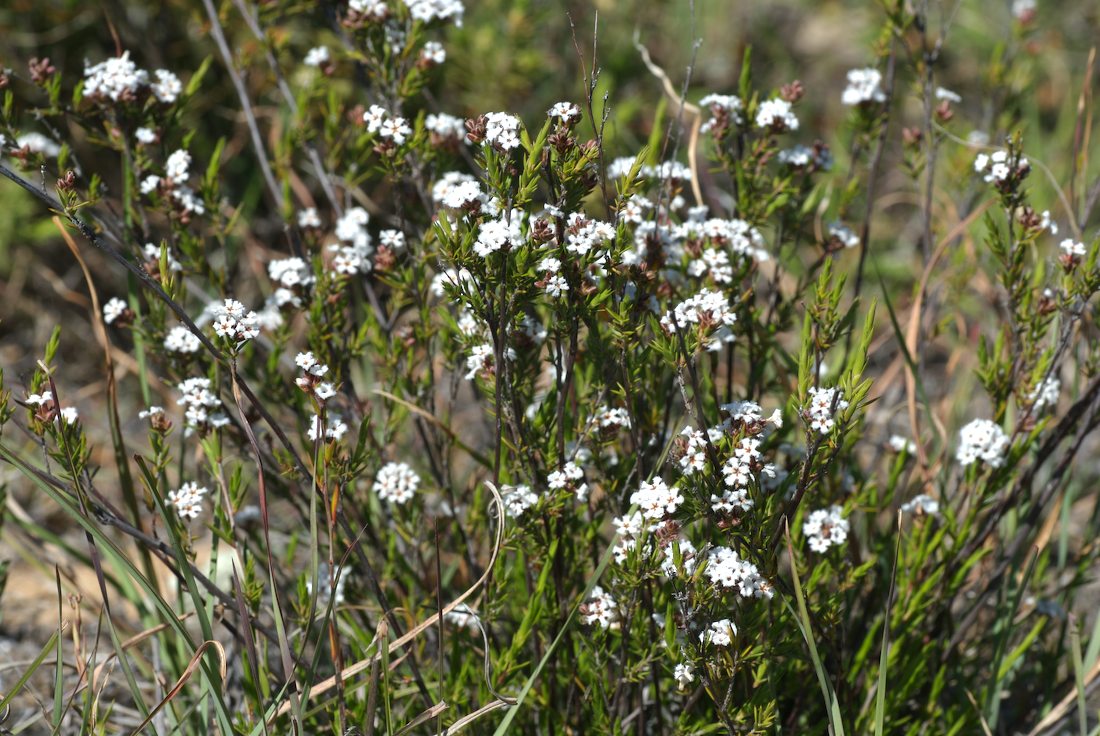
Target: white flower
column 499, row 234
column 730, row 105
column 726, row 569
column 1073, row 248
column 317, row 56
column 69, row 414
column 462, row 616
column 720, row 633
column 309, row 364
column 37, row 143
column 373, row 117
column 149, row 184
column 556, row 286
column 707, row 309
column 863, row 86
column 820, row 410
column 151, row 412
column 656, row 500
column 167, row 88
column 145, row 136
column 847, row 237
column 290, row 272
column 502, row 130
column 995, row 168
column 113, row 309
column 517, row 499
column 902, row 444
column 1045, row 395
column 921, row 505
column 335, row 428
column 151, row 252
column 776, row 115
column 181, row 340
column 199, row 400
column 684, row 675
column 446, row 126
column 942, row 93
column 178, row 166
column 982, row 440
column 601, row 609
column 825, row 528
column 395, row 128
column 565, row 111
column 187, row 500
column 433, row 52
column 429, row 10
column 308, row 218
column 396, row 483
column 392, row 239
column 233, row 321
column 39, row 399
column 114, row 78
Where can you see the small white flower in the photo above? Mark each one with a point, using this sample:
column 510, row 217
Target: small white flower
column 720, row 633
column 317, row 56
column 433, row 53
column 601, row 609
column 167, row 88
column 863, row 87
column 684, row 675
column 308, row 218
column 567, row 112
column 145, row 136
column 922, row 505
column 982, row 440
column 825, row 528
column 187, row 500
column 181, row 340
column 517, row 499
column 502, row 130
column 776, row 115
column 656, row 500
column 901, row 444
column 396, row 483
column 113, row 309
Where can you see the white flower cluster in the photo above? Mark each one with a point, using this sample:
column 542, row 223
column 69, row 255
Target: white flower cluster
column 1073, row 249
column 825, row 528
column 982, row 440
column 429, row 10
column 570, row 477
column 567, row 112
column 396, row 483
column 601, row 609
column 687, row 557
column 151, row 252
column 995, row 168
column 120, row 79
column 187, row 500
column 694, row 458
column 389, row 127
column 317, row 56
column 583, row 235
column 354, row 249
column 291, row 276
column 68, row 414
column 456, row 190
column 800, row 157
column 35, row 142
column 517, row 499
column 310, row 380
column 726, row 569
column 499, row 234
column 176, row 172
column 776, row 115
column 234, row 321
column 181, row 340
column 729, row 105
column 629, row 529
column 199, row 400
column 502, row 130
column 901, row 444
column 720, row 633
column 1045, row 394
column 843, row 234
column 446, row 126
column 824, row 402
column 739, row 470
column 922, row 505
column 864, row 86
column 708, row 310
column 113, row 309
column 741, row 237
column 656, row 500
column 608, row 418
column 335, row 428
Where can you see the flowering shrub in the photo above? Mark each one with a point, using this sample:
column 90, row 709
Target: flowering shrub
column 423, row 416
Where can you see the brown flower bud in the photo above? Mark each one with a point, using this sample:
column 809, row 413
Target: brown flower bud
column 792, row 92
